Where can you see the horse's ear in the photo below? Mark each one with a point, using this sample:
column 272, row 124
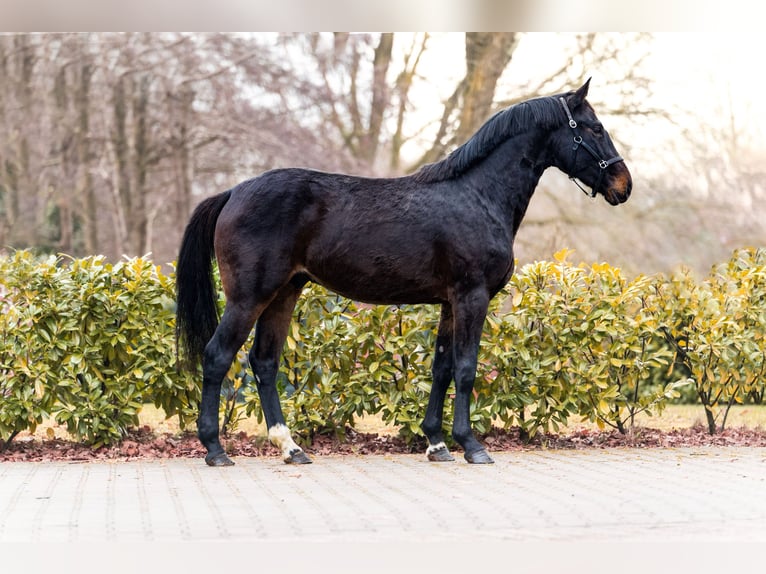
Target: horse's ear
column 579, row 96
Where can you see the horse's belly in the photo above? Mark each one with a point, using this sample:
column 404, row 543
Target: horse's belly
column 370, row 286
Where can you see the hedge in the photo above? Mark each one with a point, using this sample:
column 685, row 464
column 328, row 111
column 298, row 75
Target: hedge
column 89, row 343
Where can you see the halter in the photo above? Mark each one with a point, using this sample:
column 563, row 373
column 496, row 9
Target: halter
column 578, row 141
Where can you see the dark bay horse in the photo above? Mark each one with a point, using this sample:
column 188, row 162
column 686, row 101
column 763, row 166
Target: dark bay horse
column 443, row 235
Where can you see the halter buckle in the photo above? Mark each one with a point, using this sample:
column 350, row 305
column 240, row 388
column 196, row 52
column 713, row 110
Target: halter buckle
column 572, row 122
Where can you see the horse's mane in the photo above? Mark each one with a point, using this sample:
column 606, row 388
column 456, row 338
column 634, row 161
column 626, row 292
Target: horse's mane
column 538, row 113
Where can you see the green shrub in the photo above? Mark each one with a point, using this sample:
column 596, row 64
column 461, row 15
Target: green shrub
column 579, row 340
column 29, row 333
column 90, row 343
column 717, row 328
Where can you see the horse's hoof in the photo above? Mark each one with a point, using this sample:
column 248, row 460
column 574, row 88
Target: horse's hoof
column 298, row 457
column 219, row 459
column 479, row 457
column 440, row 454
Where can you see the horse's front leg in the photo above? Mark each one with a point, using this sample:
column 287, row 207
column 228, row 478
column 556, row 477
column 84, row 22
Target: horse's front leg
column 470, row 309
column 442, row 372
column 270, row 335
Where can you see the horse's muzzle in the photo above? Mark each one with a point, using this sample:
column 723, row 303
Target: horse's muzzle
column 618, row 187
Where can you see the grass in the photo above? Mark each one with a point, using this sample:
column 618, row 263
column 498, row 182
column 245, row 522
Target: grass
column 673, row 417
column 686, row 416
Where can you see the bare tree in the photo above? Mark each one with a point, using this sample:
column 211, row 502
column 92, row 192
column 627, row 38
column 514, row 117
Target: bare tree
column 487, row 54
column 108, row 140
column 18, row 62
column 354, row 93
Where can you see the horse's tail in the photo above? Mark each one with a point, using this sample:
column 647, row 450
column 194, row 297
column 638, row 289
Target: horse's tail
column 196, row 293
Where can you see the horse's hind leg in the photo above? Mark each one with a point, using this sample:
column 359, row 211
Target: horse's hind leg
column 270, row 334
column 442, row 371
column 236, row 323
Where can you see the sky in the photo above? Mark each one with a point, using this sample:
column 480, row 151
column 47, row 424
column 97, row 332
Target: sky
column 709, row 70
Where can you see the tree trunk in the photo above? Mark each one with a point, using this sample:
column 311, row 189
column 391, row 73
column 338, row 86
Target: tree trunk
column 380, row 98
column 63, row 226
column 487, row 54
column 4, row 188
column 137, row 223
column 709, row 414
column 710, row 418
column 182, row 159
column 18, row 169
column 85, row 191
column 121, row 172
column 403, row 85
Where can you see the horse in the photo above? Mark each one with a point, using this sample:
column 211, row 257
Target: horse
column 442, row 235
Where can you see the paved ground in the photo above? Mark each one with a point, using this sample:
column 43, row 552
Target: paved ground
column 622, row 495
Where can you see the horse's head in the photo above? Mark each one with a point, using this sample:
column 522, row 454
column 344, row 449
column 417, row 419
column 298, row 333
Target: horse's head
column 583, row 150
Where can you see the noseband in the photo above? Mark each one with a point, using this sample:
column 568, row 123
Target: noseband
column 578, row 142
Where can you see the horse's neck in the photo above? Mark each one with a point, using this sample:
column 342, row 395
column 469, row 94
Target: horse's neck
column 509, row 176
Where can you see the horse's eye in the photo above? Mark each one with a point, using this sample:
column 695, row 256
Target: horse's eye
column 597, row 128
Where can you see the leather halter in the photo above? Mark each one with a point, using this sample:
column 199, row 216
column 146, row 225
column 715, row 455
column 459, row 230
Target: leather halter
column 578, row 142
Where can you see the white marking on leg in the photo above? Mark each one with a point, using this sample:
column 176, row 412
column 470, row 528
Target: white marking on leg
column 279, row 435
column 441, row 348
column 435, row 447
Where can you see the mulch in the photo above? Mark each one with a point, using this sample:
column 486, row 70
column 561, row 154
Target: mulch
column 144, row 443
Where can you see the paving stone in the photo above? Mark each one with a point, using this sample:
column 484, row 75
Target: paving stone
column 685, row 494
